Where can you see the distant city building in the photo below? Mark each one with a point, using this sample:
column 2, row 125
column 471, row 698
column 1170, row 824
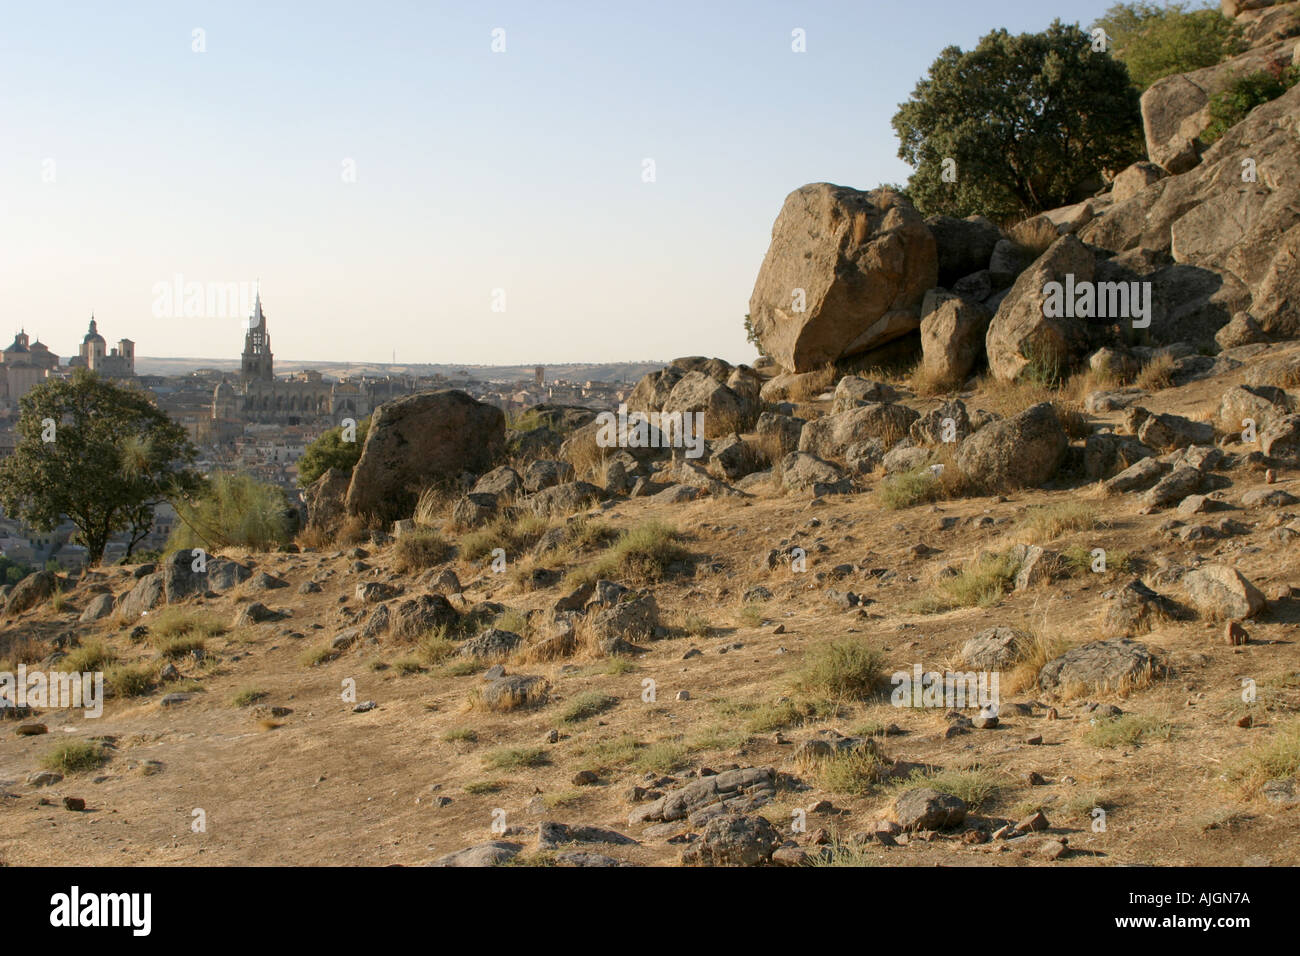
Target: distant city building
column 93, row 354
column 304, row 398
column 24, row 365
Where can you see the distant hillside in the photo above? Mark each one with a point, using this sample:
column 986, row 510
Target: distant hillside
column 600, row 372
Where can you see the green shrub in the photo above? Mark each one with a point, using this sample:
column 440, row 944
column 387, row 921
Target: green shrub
column 1230, row 106
column 235, row 510
column 73, row 756
column 844, row 668
column 331, row 451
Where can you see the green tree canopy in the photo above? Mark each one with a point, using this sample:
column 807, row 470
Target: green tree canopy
column 1025, row 120
column 1155, row 42
column 101, row 454
column 331, row 451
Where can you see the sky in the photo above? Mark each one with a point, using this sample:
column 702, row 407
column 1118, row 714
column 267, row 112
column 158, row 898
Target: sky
column 601, row 187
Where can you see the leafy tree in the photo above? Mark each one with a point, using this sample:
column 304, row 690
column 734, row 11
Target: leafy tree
column 331, row 451
column 1154, row 42
column 101, row 454
column 1025, row 119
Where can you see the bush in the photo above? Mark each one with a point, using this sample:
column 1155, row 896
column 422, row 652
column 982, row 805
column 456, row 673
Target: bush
column 841, row 668
column 587, row 705
column 418, row 550
column 73, row 756
column 331, row 451
column 91, row 656
column 642, row 554
column 235, row 510
column 1154, row 42
column 1230, row 106
column 125, row 680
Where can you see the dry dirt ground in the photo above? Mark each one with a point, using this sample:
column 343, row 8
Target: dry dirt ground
column 406, row 782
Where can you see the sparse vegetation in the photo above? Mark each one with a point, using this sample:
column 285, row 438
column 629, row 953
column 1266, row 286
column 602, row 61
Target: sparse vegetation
column 126, row 680
column 1128, row 730
column 75, row 756
column 982, row 583
column 845, row 668
column 90, row 656
column 1276, row 757
column 585, row 706
column 1049, row 522
column 247, row 696
column 644, row 554
column 516, row 758
column 418, row 550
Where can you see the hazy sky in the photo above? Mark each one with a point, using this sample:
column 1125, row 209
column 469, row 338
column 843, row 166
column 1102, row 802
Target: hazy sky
column 127, row 159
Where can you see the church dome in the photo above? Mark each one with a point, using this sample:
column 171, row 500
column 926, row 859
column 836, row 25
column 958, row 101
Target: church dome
column 93, row 335
column 223, row 392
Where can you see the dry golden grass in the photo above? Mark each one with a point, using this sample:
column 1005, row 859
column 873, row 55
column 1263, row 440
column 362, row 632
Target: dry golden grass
column 433, row 505
column 419, row 550
column 1048, row 522
column 810, row 385
column 1157, row 373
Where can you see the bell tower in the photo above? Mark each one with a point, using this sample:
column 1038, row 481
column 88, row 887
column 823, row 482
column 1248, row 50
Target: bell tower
column 257, row 360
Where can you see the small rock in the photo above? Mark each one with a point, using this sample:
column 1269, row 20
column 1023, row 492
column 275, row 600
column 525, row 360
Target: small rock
column 585, row 778
column 74, row 803
column 364, row 706
column 1052, row 849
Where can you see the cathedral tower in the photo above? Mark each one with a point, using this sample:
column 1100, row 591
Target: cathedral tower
column 257, row 359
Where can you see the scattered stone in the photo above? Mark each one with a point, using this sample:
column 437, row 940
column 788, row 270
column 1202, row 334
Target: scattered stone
column 926, row 809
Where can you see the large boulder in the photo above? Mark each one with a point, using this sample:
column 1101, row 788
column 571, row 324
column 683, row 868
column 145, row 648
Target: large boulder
column 558, row 501
column 1019, row 452
column 1281, row 440
column 504, row 482
column 1221, row 592
column 952, row 337
column 829, row 436
column 927, row 809
column 325, row 499
column 845, row 272
column 1244, row 236
column 734, row 839
column 1175, row 109
column 722, row 409
column 1261, row 404
column 419, row 440
column 853, row 391
column 1020, row 338
column 801, row 471
column 995, row 648
column 1134, row 179
column 147, row 594
column 654, row 388
column 1101, row 665
column 30, row 591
